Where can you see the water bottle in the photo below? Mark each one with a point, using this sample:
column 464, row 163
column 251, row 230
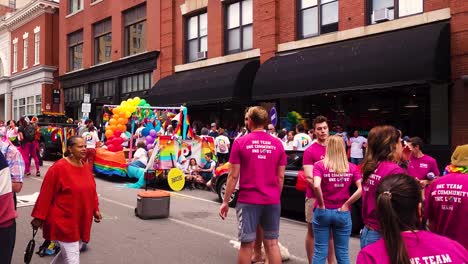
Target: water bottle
column 430, row 176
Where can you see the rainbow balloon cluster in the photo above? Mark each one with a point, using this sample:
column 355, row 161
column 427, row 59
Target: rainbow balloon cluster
column 119, row 120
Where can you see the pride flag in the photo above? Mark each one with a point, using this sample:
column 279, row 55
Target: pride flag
column 167, row 146
column 110, row 163
column 208, row 146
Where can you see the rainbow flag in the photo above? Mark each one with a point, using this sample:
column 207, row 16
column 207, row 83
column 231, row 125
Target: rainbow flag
column 183, row 128
column 110, row 163
column 208, row 146
column 167, row 146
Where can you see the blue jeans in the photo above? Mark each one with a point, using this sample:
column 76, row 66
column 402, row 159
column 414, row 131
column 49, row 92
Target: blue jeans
column 356, row 161
column 339, row 222
column 369, row 236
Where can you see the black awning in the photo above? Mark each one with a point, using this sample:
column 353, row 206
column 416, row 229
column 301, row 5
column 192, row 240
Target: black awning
column 413, row 55
column 220, row 83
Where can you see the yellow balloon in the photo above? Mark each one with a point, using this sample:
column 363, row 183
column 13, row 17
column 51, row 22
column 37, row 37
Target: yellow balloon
column 137, row 99
column 127, row 114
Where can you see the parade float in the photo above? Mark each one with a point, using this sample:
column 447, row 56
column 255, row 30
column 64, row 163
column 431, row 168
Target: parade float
column 168, row 154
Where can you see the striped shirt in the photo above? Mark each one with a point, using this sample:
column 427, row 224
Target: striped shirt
column 7, row 207
column 15, row 161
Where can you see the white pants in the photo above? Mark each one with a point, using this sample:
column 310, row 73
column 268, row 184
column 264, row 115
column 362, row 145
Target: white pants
column 69, row 253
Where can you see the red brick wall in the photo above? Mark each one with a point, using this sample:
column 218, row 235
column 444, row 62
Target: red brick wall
column 102, row 10
column 459, row 50
column 265, row 22
column 45, row 22
column 287, row 29
column 166, row 58
column 215, row 29
column 431, row 5
column 352, row 14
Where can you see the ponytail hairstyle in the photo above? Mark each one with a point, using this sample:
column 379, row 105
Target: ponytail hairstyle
column 71, row 141
column 381, row 146
column 398, row 198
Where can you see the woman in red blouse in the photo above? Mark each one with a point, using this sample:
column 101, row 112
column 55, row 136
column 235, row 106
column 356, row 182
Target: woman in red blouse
column 68, row 202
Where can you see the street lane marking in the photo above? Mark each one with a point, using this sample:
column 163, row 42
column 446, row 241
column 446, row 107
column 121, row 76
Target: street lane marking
column 299, row 259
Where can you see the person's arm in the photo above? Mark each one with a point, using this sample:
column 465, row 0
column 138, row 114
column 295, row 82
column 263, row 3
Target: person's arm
column 45, row 198
column 233, row 177
column 348, row 142
column 318, row 192
column 308, row 173
column 364, row 144
column 96, row 213
column 356, row 195
column 280, row 171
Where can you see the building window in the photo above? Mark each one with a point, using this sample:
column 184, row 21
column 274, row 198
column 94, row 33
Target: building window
column 102, row 41
column 135, row 30
column 138, row 82
column 102, row 89
column 317, row 17
column 197, row 37
column 12, row 4
column 385, row 10
column 15, row 57
column 38, row 104
column 74, row 94
column 239, row 28
column 75, row 49
column 36, row 48
column 25, row 53
column 74, row 6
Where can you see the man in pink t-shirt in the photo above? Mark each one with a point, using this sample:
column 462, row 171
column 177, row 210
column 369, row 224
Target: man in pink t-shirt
column 260, row 159
column 446, row 207
column 312, row 154
column 421, row 166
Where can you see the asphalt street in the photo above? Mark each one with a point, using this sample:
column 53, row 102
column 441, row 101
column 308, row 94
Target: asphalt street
column 193, row 233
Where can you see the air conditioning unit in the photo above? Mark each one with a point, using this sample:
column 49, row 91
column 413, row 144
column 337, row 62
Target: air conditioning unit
column 381, row 15
column 202, row 55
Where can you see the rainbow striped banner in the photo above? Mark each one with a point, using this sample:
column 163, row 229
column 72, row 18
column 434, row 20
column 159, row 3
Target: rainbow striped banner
column 168, row 152
column 110, row 163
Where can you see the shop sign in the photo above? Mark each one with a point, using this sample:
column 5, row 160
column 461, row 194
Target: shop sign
column 86, row 98
column 85, row 107
column 273, row 116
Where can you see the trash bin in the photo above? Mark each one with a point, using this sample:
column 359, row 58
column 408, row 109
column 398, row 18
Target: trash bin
column 153, row 204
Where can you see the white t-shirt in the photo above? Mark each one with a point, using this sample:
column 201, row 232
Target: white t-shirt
column 141, row 155
column 222, row 144
column 302, row 141
column 356, row 147
column 91, row 139
column 138, row 133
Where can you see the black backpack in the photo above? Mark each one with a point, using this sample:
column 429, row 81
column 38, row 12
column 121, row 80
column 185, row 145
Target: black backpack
column 29, row 133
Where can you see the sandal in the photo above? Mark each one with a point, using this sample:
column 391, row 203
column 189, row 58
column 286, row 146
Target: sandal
column 38, row 174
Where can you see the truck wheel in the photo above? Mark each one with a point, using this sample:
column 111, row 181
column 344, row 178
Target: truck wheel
column 43, row 154
column 222, row 189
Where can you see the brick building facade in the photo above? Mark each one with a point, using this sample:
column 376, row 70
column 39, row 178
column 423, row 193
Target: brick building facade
column 29, row 48
column 360, row 62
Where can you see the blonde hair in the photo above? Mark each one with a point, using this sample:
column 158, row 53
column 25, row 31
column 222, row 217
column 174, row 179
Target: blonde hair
column 258, row 115
column 335, row 158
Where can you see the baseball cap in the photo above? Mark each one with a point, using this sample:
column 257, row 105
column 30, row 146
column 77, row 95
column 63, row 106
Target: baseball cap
column 213, row 124
column 460, row 156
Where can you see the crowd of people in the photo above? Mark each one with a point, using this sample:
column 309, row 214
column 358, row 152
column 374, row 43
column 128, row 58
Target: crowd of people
column 410, row 211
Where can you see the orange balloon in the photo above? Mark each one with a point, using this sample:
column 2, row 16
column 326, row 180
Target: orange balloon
column 109, row 133
column 122, row 121
column 113, row 122
column 121, row 127
column 112, row 127
column 116, row 111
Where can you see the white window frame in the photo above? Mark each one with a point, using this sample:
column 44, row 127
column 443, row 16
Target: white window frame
column 37, row 43
column 25, row 50
column 15, row 55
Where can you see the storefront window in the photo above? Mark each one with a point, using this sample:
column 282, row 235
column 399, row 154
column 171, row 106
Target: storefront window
column 138, row 82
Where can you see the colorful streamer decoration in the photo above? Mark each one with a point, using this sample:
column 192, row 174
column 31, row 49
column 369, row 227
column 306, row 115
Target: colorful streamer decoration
column 110, row 163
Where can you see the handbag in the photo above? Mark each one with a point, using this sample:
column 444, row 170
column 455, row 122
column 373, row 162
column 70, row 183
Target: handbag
column 29, row 252
column 301, row 183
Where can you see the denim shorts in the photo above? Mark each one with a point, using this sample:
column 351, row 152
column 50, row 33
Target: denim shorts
column 249, row 216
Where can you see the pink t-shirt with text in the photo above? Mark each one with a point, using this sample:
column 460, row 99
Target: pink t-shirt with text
column 420, row 167
column 446, row 207
column 259, row 155
column 335, row 186
column 423, row 248
column 312, row 154
column 369, row 187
